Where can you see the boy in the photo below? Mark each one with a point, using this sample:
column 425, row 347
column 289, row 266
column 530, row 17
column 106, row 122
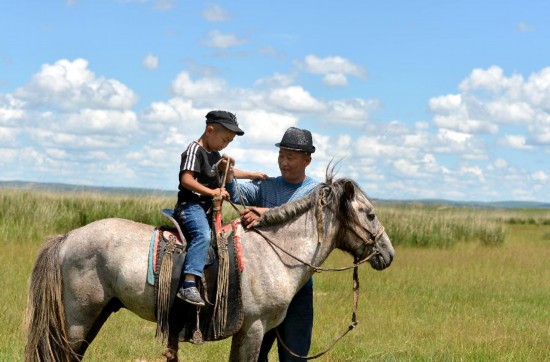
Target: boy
column 198, row 184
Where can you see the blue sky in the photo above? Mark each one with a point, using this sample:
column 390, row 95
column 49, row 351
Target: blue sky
column 418, row 99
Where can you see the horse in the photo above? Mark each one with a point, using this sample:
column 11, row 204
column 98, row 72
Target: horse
column 81, row 277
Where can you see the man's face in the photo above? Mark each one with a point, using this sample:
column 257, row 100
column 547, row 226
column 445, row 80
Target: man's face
column 293, row 164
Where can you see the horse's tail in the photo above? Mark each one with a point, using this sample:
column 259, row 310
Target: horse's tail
column 47, row 335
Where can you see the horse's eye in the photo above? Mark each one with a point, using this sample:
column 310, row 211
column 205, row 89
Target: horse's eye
column 371, row 216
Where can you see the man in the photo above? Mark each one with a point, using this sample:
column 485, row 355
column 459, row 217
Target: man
column 295, row 151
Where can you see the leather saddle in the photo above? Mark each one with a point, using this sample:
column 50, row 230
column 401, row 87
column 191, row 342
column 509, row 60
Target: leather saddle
column 222, row 316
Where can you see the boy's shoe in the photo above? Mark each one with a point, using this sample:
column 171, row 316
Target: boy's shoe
column 191, row 295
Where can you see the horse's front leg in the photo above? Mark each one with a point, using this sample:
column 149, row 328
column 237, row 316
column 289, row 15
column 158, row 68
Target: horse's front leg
column 245, row 345
column 171, row 351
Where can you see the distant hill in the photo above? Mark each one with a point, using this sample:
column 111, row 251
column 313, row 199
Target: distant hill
column 60, row 187
column 477, row 204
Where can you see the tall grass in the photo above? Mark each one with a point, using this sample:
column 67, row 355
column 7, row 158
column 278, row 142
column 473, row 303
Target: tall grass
column 28, row 216
column 421, row 225
column 447, row 295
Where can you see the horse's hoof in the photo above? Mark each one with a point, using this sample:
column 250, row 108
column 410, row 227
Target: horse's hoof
column 171, row 355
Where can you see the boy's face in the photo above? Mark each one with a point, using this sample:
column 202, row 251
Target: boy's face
column 218, row 137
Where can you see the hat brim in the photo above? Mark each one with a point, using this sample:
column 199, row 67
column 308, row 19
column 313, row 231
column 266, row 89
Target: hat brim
column 296, row 148
column 231, row 127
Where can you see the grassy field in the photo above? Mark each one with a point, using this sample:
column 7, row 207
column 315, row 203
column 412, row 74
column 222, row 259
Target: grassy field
column 466, row 284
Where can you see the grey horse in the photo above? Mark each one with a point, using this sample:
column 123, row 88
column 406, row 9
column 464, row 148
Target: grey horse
column 81, row 277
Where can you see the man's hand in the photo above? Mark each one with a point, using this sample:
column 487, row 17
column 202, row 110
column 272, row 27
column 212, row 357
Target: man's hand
column 258, row 176
column 250, row 217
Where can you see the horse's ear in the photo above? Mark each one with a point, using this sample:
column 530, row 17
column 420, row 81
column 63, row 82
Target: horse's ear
column 349, row 189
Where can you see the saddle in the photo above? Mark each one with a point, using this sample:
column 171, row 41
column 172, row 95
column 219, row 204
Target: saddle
column 222, row 316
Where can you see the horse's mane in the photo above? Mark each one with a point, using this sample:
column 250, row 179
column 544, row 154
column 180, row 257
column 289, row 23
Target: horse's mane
column 332, row 192
column 288, row 211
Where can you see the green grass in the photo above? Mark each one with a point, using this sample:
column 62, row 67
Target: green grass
column 447, row 297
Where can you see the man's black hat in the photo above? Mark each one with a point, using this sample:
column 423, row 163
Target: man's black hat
column 297, row 139
column 226, row 119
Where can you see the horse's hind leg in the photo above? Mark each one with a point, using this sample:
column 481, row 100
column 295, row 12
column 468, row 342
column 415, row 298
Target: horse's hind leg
column 80, row 327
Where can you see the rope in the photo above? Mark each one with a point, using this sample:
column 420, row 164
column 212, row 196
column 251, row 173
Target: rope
column 219, row 316
column 351, row 326
column 315, row 268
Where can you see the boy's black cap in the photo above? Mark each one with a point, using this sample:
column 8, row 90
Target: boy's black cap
column 297, row 139
column 226, row 119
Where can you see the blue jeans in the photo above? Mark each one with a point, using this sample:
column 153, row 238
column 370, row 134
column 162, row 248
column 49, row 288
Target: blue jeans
column 195, row 220
column 296, row 328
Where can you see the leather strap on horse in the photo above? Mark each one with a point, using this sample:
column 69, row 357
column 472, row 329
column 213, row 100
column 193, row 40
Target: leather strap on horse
column 219, row 316
column 351, row 326
column 163, row 295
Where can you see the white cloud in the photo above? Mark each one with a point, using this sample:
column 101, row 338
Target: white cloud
column 47, row 138
column 11, row 110
column 352, row 112
column 458, row 137
column 332, row 65
column 500, row 163
column 540, row 176
column 406, row 167
column 335, row 79
column 537, row 89
column 8, row 136
column 207, row 87
column 510, row 112
column 472, row 170
column 276, row 80
column 215, row 13
column 218, row 40
column 491, row 79
column 101, row 121
column 151, row 62
column 295, row 98
column 7, row 155
column 514, row 141
column 335, row 69
column 71, row 86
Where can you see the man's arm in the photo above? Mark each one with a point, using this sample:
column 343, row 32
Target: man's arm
column 242, row 174
column 245, row 193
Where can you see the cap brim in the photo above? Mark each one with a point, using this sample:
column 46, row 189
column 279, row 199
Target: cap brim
column 237, row 130
column 231, row 127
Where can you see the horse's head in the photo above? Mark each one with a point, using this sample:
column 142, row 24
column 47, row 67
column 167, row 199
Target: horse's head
column 359, row 231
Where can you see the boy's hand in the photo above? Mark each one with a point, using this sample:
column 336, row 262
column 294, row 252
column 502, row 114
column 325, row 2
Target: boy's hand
column 220, row 192
column 223, row 163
